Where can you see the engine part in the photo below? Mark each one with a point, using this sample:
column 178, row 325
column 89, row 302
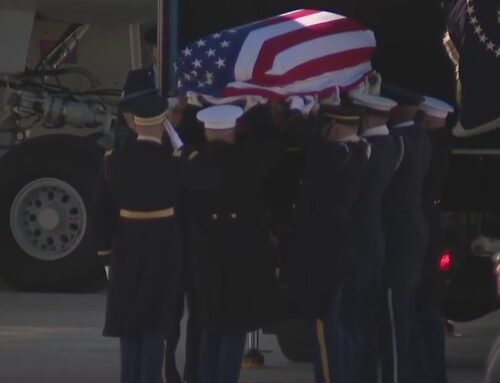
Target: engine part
column 65, row 47
column 58, row 110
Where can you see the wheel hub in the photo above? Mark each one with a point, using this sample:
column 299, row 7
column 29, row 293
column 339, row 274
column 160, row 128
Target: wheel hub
column 48, row 219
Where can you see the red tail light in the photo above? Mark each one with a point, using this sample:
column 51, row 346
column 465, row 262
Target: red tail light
column 445, row 261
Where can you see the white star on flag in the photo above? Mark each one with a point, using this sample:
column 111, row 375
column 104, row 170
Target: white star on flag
column 221, row 63
column 197, row 63
column 225, row 44
column 490, row 46
column 216, row 35
column 201, row 43
column 201, row 84
column 211, row 52
column 187, row 52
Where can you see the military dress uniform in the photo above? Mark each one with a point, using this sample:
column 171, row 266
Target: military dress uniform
column 235, row 285
column 323, row 246
column 362, row 292
column 428, row 290
column 135, row 221
column 406, row 243
column 142, row 82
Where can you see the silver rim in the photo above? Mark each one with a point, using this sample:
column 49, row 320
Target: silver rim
column 48, row 219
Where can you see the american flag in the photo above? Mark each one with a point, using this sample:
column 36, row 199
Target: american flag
column 304, row 52
column 478, row 69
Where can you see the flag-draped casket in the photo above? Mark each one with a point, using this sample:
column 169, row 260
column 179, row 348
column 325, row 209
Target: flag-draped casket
column 304, row 52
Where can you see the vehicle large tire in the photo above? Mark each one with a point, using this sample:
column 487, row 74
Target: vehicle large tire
column 295, row 338
column 46, row 241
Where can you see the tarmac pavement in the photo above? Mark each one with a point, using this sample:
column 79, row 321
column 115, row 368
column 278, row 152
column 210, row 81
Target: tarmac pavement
column 56, row 338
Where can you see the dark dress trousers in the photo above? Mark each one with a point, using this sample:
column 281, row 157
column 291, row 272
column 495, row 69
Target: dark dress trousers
column 362, row 291
column 406, row 242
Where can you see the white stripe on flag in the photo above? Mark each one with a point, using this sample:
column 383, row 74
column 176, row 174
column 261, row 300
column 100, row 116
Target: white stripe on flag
column 252, row 46
column 320, row 47
column 342, row 78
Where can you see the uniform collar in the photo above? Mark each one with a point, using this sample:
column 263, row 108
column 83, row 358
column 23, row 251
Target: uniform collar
column 381, row 130
column 404, row 124
column 149, row 139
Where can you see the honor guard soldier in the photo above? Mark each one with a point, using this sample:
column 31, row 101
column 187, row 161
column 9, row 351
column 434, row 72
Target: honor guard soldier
column 433, row 118
column 139, row 83
column 137, row 227
column 406, row 237
column 235, row 285
column 362, row 291
column 171, row 140
column 323, row 245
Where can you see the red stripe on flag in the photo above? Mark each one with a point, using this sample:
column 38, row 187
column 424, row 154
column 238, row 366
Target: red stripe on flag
column 330, row 63
column 276, row 45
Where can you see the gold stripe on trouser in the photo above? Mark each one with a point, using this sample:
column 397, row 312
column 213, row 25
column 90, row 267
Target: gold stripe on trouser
column 320, row 333
column 104, row 253
column 155, row 214
column 392, row 322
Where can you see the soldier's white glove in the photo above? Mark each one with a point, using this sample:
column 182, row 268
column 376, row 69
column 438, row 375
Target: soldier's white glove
column 375, row 84
column 310, row 103
column 296, row 103
column 172, row 134
column 362, row 88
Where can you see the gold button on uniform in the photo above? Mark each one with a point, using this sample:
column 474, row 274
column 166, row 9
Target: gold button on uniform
column 215, row 217
column 233, row 216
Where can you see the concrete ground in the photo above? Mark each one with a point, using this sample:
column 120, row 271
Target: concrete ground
column 56, row 338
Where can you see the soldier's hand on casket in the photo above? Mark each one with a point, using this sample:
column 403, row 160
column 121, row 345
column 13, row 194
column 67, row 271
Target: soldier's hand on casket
column 296, row 103
column 374, row 83
column 311, row 105
column 305, row 105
